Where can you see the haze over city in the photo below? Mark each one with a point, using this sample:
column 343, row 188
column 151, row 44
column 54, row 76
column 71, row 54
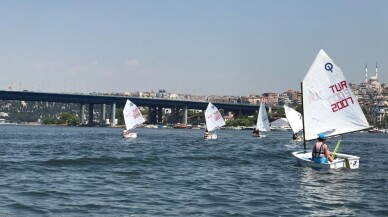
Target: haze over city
column 220, row 47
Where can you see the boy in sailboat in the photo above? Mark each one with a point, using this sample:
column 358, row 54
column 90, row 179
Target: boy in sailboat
column 127, row 132
column 255, row 132
column 321, row 152
column 206, row 134
column 296, row 137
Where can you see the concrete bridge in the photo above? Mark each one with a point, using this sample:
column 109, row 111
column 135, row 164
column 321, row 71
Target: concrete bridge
column 155, row 105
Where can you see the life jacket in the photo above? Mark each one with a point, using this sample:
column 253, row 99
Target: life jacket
column 320, row 152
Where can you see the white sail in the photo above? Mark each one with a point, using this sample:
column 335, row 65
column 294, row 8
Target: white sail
column 294, row 118
column 132, row 115
column 213, row 118
column 329, row 104
column 262, row 119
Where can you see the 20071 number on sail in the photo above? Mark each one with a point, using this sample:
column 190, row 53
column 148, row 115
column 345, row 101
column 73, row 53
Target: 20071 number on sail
column 341, row 98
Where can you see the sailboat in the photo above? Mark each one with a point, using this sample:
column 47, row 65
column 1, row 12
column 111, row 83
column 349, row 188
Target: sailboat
column 329, row 108
column 214, row 121
column 295, row 120
column 262, row 121
column 132, row 118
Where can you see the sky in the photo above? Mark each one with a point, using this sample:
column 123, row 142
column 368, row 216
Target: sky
column 199, row 47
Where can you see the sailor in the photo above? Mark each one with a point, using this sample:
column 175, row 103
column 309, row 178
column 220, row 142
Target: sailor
column 295, row 136
column 255, row 132
column 320, row 152
column 206, row 134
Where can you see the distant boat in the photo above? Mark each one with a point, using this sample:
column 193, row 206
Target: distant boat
column 3, row 122
column 132, row 118
column 280, row 124
column 262, row 123
column 377, row 130
column 214, row 121
column 329, row 108
column 248, row 128
column 151, row 126
column 180, row 126
column 295, row 120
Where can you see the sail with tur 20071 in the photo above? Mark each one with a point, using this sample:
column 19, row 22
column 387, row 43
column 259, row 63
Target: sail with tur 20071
column 329, row 105
column 329, row 108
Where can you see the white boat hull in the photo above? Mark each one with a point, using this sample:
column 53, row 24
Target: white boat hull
column 259, row 135
column 130, row 135
column 341, row 161
column 211, row 136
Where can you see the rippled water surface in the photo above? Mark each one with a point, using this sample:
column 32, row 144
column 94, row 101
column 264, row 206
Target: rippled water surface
column 75, row 171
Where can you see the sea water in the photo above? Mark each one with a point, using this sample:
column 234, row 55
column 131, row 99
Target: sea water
column 81, row 171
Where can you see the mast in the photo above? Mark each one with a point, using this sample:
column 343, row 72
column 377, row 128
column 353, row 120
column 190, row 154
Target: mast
column 304, row 137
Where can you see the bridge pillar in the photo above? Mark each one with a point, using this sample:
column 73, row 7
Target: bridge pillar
column 152, row 119
column 149, row 115
column 184, row 111
column 91, row 115
column 113, row 116
column 82, row 119
column 203, row 119
column 160, row 114
column 103, row 111
column 173, row 115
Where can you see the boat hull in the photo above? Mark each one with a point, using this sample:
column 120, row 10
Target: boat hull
column 180, row 126
column 341, row 161
column 297, row 140
column 211, row 136
column 130, row 135
column 259, row 135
